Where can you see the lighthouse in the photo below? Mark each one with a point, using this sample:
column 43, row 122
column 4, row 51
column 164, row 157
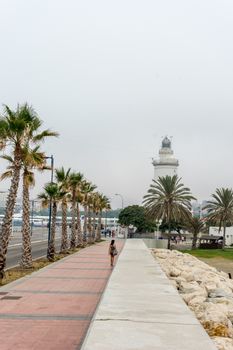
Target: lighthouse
column 167, row 164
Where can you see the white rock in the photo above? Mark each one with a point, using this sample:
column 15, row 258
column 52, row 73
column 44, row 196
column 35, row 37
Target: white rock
column 174, row 272
column 221, row 292
column 223, row 343
column 189, row 287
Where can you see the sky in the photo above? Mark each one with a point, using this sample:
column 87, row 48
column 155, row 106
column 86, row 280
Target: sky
column 114, row 77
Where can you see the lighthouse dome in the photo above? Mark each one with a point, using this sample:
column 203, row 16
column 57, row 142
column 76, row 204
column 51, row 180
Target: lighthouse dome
column 166, row 143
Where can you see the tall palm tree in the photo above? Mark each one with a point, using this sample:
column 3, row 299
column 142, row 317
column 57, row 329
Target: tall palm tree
column 62, row 178
column 168, row 200
column 16, row 129
column 195, row 225
column 220, row 209
column 75, row 180
column 102, row 204
column 86, row 189
column 51, row 193
column 31, row 159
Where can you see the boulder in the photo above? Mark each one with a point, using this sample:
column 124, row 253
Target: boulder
column 174, row 272
column 223, row 343
column 189, row 296
column 223, row 292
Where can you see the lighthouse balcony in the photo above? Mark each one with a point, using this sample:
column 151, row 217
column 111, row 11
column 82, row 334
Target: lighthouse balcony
column 173, row 162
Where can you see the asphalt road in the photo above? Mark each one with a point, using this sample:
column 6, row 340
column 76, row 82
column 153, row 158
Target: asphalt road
column 39, row 246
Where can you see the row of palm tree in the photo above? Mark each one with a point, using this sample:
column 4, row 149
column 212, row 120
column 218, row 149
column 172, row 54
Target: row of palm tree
column 71, row 189
column 20, row 140
column 170, row 201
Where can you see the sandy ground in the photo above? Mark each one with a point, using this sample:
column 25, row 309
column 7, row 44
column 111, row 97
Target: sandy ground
column 220, row 264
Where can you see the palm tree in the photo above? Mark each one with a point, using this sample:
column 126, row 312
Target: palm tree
column 75, row 180
column 220, row 209
column 168, row 200
column 195, row 225
column 86, row 189
column 31, row 159
column 102, row 204
column 62, row 178
column 51, row 193
column 16, row 129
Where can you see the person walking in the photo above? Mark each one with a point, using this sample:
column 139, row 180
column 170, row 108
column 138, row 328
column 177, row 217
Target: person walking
column 112, row 251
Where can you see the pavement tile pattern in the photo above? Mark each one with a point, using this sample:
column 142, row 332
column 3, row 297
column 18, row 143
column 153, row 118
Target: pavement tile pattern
column 52, row 309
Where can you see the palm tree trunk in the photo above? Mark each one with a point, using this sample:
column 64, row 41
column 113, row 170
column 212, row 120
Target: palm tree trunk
column 85, row 224
column 194, row 243
column 169, row 236
column 51, row 247
column 7, row 220
column 99, row 227
column 224, row 236
column 79, row 229
column 64, row 236
column 89, row 226
column 26, row 258
column 73, row 223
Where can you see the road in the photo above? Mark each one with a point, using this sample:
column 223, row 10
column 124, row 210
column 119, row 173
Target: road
column 39, row 246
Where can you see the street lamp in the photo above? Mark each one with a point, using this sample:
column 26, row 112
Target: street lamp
column 50, row 202
column 122, row 199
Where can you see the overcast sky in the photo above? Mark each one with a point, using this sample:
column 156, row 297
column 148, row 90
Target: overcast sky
column 113, row 77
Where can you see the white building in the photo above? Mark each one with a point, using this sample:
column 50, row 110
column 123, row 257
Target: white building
column 166, row 164
column 214, row 231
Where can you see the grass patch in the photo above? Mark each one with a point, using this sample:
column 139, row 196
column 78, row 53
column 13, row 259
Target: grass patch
column 211, row 253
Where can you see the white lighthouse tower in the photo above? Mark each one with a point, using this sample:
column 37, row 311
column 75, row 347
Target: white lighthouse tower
column 166, row 164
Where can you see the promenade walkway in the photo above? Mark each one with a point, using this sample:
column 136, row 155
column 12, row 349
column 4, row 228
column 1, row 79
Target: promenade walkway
column 141, row 310
column 52, row 308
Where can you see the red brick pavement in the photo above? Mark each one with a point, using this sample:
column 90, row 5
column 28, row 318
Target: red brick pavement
column 52, row 309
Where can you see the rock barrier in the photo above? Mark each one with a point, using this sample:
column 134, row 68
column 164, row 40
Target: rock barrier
column 207, row 292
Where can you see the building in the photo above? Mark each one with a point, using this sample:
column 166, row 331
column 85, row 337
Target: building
column 166, row 164
column 214, row 231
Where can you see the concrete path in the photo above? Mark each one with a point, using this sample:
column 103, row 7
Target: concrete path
column 52, row 309
column 141, row 310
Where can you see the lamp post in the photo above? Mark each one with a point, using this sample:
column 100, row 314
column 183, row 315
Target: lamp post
column 122, row 199
column 50, row 202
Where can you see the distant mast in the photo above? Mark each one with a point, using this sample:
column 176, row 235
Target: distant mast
column 166, row 164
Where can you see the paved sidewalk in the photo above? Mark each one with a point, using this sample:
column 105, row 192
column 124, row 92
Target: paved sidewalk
column 52, row 308
column 141, row 310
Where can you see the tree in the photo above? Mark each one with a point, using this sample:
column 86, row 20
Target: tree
column 136, row 215
column 62, row 178
column 195, row 225
column 75, row 180
column 17, row 129
column 102, row 203
column 220, row 209
column 51, row 193
column 31, row 159
column 168, row 200
column 86, row 189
